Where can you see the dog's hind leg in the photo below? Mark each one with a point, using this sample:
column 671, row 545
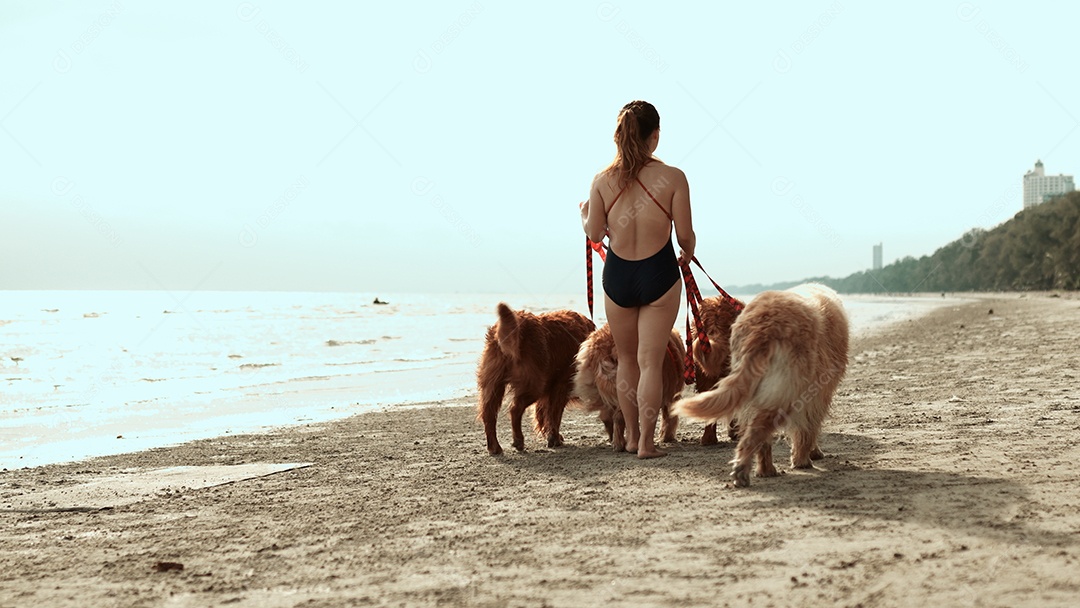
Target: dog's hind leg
column 618, row 434
column 549, row 411
column 607, row 418
column 491, row 397
column 548, row 419
column 757, row 437
column 803, row 449
column 708, row 436
column 765, row 466
column 669, row 423
column 521, row 403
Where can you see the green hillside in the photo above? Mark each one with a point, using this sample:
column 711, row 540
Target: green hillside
column 1038, row 249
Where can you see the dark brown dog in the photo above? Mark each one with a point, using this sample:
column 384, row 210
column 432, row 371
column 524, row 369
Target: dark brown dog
column 717, row 315
column 533, row 355
column 595, row 386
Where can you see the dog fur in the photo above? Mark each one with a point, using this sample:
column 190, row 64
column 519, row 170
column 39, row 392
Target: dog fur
column 717, row 315
column 595, row 386
column 789, row 351
column 532, row 356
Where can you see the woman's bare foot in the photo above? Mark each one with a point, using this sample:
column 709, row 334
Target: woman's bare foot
column 654, row 453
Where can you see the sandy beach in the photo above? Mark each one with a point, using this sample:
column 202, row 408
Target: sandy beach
column 949, row 479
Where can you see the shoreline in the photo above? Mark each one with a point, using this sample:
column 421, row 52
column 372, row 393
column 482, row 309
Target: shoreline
column 949, row 477
column 58, row 433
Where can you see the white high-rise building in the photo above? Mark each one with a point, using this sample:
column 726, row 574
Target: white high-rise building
column 1038, row 186
column 877, row 257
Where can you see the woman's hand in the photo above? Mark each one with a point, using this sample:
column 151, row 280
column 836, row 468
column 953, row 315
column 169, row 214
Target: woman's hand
column 684, row 258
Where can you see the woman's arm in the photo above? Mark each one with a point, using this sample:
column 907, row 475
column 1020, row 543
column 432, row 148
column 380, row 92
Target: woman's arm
column 680, row 212
column 593, row 214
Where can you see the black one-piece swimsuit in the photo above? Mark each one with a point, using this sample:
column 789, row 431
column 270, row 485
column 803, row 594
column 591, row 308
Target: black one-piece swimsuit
column 634, row 283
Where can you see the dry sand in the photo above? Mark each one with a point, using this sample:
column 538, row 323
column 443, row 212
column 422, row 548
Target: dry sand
column 950, row 479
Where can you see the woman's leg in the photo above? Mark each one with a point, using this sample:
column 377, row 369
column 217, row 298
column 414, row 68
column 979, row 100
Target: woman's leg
column 624, row 328
column 654, row 330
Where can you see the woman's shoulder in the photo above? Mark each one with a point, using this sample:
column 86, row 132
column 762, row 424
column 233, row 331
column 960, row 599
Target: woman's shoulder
column 604, row 178
column 669, row 171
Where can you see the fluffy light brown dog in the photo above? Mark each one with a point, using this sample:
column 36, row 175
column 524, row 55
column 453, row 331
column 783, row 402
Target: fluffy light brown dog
column 595, row 385
column 533, row 356
column 717, row 315
column 788, row 353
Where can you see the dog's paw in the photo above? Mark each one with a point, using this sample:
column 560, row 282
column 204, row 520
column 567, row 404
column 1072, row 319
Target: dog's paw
column 740, row 476
column 803, row 465
column 555, row 441
column 733, row 431
column 767, row 471
column 816, row 454
column 708, row 437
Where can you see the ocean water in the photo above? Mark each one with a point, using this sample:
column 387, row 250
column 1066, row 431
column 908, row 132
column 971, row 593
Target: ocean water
column 91, row 373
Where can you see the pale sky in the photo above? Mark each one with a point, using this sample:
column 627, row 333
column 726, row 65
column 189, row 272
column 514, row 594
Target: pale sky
column 387, row 147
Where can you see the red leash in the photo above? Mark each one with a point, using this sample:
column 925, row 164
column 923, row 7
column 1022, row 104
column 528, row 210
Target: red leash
column 737, row 304
column 693, row 299
column 590, row 247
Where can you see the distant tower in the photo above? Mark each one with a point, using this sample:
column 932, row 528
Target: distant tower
column 1038, row 186
column 877, row 256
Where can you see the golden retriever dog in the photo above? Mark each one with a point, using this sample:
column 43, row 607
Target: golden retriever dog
column 717, row 315
column 789, row 350
column 533, row 356
column 596, row 388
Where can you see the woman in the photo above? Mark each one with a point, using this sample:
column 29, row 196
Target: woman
column 634, row 201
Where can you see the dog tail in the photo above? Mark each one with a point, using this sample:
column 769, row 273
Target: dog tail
column 507, row 332
column 585, row 389
column 731, row 392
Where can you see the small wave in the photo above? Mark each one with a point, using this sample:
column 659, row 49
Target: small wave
column 391, row 337
column 92, row 315
column 438, row 357
column 50, row 310
column 344, row 342
column 309, row 378
column 351, row 363
column 461, row 339
column 236, row 356
column 257, row 365
column 152, row 379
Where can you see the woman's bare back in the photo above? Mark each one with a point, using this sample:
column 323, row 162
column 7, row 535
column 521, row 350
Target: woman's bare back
column 637, row 226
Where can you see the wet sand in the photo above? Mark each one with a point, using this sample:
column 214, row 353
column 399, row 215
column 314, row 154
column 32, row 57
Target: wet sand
column 949, row 478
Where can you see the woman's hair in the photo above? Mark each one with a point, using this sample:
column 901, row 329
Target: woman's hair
column 637, row 121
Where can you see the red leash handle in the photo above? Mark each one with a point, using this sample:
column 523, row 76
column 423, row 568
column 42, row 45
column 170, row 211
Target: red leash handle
column 588, row 274
column 590, row 247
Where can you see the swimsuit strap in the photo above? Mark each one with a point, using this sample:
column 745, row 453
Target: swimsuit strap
column 608, row 210
column 638, row 180
column 654, row 199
